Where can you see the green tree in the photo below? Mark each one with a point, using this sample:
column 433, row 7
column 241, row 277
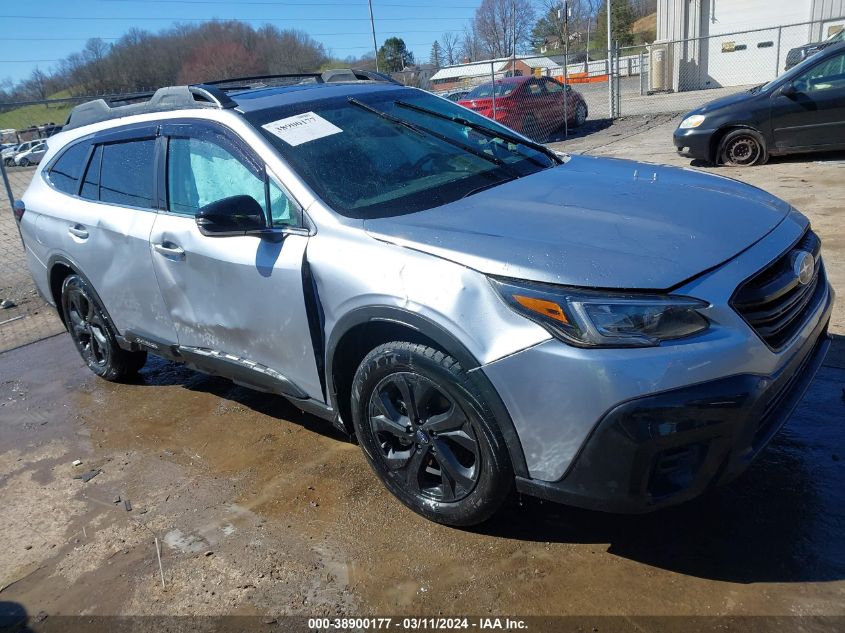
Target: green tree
column 548, row 27
column 393, row 56
column 621, row 20
column 436, row 58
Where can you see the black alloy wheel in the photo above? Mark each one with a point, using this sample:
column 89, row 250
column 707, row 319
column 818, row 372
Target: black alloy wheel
column 424, row 437
column 93, row 335
column 428, row 433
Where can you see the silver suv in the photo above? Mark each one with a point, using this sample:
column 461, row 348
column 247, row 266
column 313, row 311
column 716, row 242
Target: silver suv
column 482, row 314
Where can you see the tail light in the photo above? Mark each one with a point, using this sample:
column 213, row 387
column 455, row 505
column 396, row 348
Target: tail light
column 19, row 209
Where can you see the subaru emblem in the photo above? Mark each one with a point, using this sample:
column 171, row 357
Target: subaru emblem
column 804, row 267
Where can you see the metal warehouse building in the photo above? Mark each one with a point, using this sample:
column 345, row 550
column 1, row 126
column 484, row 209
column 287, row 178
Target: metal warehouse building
column 713, row 43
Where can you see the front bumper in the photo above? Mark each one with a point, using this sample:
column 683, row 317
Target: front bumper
column 693, row 143
column 666, row 448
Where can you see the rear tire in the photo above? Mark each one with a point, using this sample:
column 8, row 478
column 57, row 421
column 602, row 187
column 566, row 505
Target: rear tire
column 93, row 335
column 427, row 433
column 743, row 148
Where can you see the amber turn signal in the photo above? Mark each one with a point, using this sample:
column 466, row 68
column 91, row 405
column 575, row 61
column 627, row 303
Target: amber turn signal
column 541, row 306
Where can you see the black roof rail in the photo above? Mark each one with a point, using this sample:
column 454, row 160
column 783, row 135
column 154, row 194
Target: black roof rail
column 162, row 100
column 261, row 81
column 266, row 81
column 210, row 94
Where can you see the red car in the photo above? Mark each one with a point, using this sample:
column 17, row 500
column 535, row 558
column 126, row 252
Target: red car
column 531, row 105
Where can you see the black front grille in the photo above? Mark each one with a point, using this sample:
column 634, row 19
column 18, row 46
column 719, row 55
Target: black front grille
column 774, row 302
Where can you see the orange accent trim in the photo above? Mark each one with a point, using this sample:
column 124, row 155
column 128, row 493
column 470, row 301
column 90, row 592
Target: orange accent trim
column 541, row 306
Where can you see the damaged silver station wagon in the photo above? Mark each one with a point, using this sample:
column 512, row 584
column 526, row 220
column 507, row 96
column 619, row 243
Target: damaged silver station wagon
column 483, row 314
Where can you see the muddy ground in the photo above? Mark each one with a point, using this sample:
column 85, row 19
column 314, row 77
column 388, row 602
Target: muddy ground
column 260, row 509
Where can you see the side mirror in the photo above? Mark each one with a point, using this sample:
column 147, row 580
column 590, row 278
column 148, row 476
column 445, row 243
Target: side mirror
column 789, row 90
column 235, row 215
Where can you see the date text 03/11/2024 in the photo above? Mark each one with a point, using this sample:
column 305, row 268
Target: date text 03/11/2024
column 431, row 624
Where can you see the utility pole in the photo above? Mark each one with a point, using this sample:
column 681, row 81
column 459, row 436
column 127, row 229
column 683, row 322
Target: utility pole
column 373, row 27
column 563, row 18
column 610, row 100
column 513, row 14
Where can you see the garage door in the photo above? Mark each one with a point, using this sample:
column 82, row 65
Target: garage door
column 736, row 59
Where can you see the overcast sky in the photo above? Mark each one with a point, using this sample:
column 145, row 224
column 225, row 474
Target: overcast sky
column 40, row 33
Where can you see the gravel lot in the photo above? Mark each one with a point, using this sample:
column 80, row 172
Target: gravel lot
column 260, row 509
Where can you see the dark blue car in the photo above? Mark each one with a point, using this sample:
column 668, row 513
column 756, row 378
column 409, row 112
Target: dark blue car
column 803, row 110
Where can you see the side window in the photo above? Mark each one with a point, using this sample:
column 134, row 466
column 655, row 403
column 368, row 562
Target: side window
column 65, row 173
column 126, row 176
column 200, row 172
column 553, row 86
column 534, row 89
column 828, row 75
column 91, row 182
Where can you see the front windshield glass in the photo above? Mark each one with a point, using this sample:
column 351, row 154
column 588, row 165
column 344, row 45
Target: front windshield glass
column 486, row 91
column 365, row 165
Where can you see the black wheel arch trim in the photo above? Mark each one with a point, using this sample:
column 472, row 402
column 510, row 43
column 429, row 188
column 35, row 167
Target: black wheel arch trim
column 66, row 261
column 449, row 344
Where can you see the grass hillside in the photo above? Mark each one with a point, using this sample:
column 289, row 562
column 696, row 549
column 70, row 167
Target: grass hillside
column 27, row 116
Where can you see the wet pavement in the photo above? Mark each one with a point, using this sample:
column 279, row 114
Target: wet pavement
column 262, row 509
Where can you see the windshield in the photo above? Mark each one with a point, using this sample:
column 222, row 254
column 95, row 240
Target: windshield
column 372, row 157
column 838, row 37
column 486, row 91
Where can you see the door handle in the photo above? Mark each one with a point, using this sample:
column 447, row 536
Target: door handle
column 77, row 230
column 170, row 250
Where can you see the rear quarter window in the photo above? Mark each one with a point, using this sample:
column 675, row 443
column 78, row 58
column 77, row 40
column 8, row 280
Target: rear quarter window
column 65, row 173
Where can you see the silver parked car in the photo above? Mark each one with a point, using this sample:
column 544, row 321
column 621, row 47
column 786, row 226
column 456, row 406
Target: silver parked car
column 9, row 154
column 482, row 314
column 31, row 156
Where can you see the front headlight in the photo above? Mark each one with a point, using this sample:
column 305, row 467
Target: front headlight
column 587, row 318
column 692, row 121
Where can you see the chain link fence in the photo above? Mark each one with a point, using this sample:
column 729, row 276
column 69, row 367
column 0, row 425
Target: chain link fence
column 668, row 77
column 680, row 75
column 24, row 315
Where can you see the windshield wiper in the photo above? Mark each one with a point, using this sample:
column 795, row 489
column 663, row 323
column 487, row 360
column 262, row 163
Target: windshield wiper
column 478, row 127
column 489, row 185
column 425, row 131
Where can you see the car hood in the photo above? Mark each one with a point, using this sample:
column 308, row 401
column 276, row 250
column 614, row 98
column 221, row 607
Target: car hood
column 594, row 222
column 723, row 102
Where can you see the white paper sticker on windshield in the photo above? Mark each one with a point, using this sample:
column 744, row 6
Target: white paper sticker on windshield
column 299, row 129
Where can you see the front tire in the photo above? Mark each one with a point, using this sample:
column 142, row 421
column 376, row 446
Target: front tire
column 427, row 433
column 93, row 334
column 580, row 114
column 24, row 162
column 743, row 148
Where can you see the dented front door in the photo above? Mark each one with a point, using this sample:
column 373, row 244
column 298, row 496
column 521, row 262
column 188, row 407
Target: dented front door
column 240, row 296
